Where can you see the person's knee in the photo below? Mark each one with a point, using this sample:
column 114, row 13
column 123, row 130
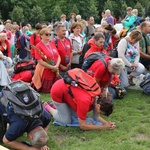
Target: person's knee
column 5, row 141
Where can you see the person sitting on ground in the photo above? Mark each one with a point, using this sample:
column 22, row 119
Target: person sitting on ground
column 37, row 131
column 66, row 107
column 129, row 51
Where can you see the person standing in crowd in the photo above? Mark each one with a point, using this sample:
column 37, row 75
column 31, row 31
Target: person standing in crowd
column 109, row 18
column 78, row 18
column 24, row 51
column 129, row 51
column 64, row 49
column 6, row 29
column 145, row 44
column 89, row 29
column 5, row 45
column 46, row 72
column 72, row 19
column 77, row 42
column 12, row 40
column 35, row 39
column 65, row 23
column 135, row 12
column 129, row 20
column 103, row 17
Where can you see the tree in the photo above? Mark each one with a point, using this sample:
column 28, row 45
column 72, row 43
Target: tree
column 37, row 15
column 17, row 14
column 139, row 7
column 56, row 13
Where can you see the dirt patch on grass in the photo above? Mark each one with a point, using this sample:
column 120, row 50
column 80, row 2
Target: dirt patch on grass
column 141, row 137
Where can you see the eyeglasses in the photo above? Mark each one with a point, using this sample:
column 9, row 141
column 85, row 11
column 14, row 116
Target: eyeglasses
column 47, row 34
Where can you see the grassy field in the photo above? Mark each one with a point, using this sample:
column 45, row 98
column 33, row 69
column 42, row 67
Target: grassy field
column 132, row 117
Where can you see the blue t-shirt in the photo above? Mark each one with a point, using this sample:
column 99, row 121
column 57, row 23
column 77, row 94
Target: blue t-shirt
column 18, row 126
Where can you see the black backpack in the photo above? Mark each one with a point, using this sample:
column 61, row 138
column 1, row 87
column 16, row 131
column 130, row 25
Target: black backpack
column 23, row 100
column 92, row 58
column 24, row 64
column 145, row 85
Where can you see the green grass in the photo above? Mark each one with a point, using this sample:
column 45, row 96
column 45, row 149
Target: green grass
column 132, row 117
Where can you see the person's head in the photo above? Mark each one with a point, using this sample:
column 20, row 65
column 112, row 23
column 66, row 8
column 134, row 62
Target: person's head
column 116, row 66
column 107, row 13
column 135, row 12
column 38, row 137
column 129, row 11
column 29, row 26
column 7, row 25
column 99, row 39
column 50, row 27
column 104, row 106
column 108, row 28
column 61, row 31
column 38, row 26
column 145, row 27
column 78, row 17
column 104, row 24
column 84, row 23
column 91, row 20
column 98, row 30
column 13, row 28
column 3, row 36
column 103, row 14
column 72, row 15
column 63, row 17
column 135, row 36
column 24, row 29
column 45, row 35
column 76, row 28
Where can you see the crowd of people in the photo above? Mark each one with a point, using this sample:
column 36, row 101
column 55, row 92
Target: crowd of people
column 66, row 45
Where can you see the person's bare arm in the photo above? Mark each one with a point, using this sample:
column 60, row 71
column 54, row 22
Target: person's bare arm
column 17, row 145
column 143, row 55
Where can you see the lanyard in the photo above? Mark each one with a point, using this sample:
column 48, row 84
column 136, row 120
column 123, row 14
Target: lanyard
column 49, row 49
column 64, row 45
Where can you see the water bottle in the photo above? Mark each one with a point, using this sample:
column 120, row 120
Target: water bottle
column 25, row 98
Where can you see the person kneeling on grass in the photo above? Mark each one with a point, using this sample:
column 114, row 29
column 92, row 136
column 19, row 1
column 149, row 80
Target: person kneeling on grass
column 37, row 131
column 79, row 106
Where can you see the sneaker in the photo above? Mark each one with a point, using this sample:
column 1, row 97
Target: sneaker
column 131, row 82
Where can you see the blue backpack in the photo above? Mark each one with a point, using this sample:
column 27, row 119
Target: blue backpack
column 145, row 85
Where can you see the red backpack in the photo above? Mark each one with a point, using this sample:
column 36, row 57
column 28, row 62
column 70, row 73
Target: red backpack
column 78, row 78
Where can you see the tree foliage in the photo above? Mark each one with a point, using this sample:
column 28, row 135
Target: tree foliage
column 50, row 10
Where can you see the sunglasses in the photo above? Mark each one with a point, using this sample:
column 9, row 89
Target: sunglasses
column 47, row 34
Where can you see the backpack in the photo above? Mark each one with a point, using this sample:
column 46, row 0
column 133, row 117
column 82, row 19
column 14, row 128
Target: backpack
column 25, row 76
column 78, row 78
column 23, row 65
column 145, row 85
column 92, row 58
column 23, row 100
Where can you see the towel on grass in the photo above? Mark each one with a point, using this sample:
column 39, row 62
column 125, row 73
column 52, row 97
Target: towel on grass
column 75, row 123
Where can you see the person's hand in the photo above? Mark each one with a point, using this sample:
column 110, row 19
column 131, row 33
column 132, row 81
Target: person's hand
column 64, row 68
column 134, row 65
column 109, row 125
column 68, row 65
column 79, row 52
column 45, row 148
column 54, row 69
column 103, row 93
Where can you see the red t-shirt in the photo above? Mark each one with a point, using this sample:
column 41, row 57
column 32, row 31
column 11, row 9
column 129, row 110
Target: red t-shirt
column 64, row 49
column 82, row 102
column 34, row 40
column 99, row 70
column 51, row 53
